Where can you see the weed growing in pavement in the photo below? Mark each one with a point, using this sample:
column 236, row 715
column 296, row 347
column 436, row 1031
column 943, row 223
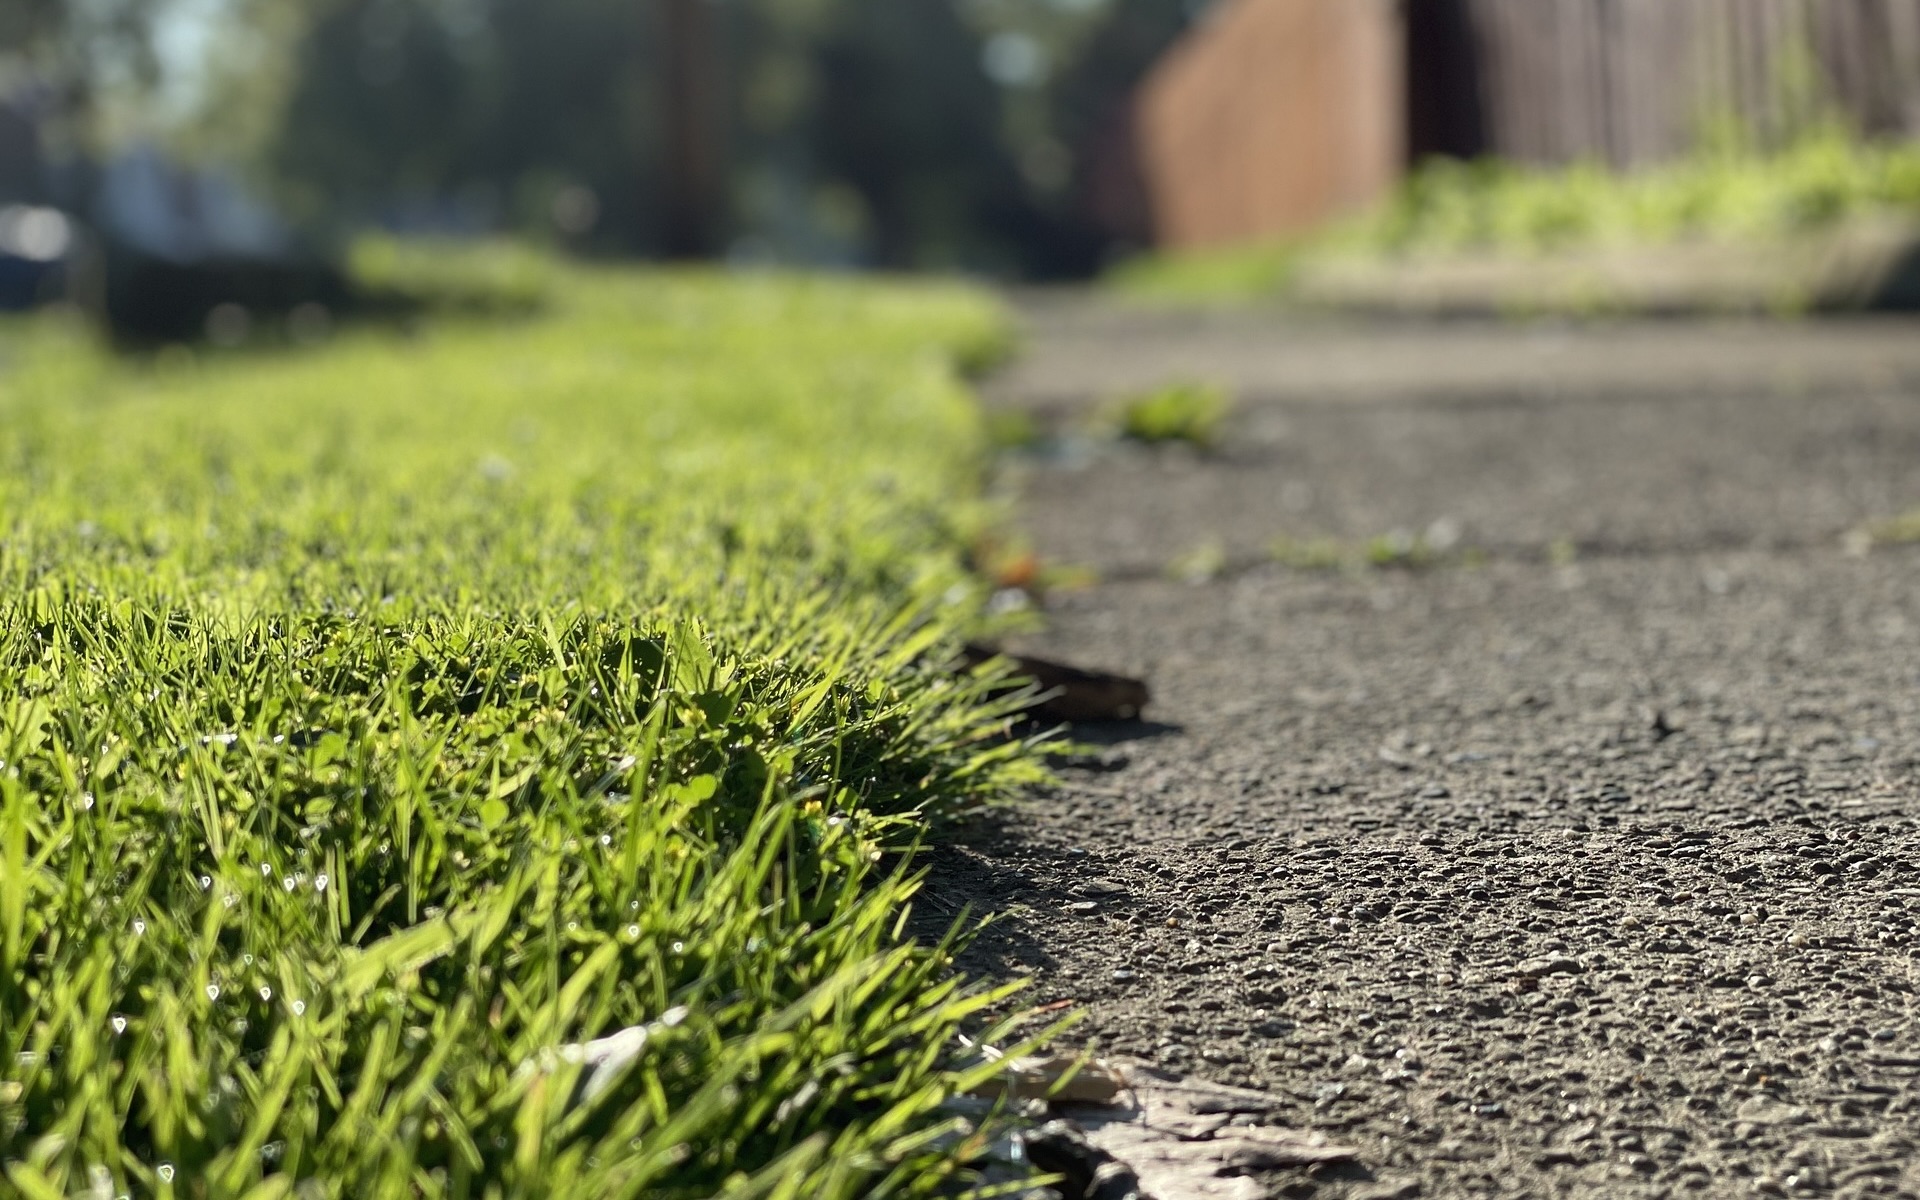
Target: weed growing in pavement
column 1314, row 554
column 1903, row 530
column 1203, row 563
column 1177, row 412
column 377, row 721
column 1398, row 550
column 1385, row 551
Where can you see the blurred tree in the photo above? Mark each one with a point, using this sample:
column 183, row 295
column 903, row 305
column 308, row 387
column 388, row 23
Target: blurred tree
column 72, row 53
column 906, row 133
column 463, row 116
column 901, row 126
column 1092, row 106
column 694, row 174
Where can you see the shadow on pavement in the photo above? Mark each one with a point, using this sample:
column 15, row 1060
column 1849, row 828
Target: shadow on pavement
column 987, row 867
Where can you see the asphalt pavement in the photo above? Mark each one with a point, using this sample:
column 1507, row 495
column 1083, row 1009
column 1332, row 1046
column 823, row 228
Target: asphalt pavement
column 1552, row 826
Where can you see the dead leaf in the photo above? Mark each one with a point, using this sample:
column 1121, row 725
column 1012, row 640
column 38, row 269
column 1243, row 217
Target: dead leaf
column 1070, row 693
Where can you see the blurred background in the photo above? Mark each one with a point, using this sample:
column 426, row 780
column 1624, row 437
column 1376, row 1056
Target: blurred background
column 159, row 158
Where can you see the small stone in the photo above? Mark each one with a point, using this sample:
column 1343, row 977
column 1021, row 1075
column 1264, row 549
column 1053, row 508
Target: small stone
column 1082, row 906
column 1122, row 976
column 1538, row 968
column 1762, row 1111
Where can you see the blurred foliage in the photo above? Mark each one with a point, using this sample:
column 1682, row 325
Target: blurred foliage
column 1451, row 207
column 928, row 134
column 1820, row 180
column 71, row 51
column 482, row 277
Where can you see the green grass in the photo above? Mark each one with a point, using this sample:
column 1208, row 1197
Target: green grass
column 495, row 277
column 377, row 720
column 1493, row 207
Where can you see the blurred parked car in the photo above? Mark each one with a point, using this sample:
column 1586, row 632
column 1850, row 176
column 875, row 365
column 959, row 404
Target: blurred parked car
column 37, row 244
column 190, row 251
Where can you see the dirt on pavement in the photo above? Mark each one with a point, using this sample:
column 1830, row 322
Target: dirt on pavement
column 1582, row 861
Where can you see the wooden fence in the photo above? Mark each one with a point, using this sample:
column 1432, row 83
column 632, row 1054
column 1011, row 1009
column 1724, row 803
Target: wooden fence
column 1271, row 117
column 1636, row 81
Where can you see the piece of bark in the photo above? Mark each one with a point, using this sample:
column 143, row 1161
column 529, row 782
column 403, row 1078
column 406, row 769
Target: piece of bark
column 1175, row 1135
column 1062, row 1078
column 1071, row 694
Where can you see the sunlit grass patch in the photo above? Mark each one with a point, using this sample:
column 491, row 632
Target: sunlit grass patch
column 1501, row 210
column 499, row 277
column 378, row 721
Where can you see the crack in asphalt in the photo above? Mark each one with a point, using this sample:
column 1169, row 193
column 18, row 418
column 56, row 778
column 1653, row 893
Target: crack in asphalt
column 1478, row 555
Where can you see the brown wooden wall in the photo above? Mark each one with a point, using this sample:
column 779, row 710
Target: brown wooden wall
column 1636, row 81
column 1272, row 117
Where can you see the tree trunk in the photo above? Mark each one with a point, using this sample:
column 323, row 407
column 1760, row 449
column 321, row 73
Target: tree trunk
column 696, row 166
